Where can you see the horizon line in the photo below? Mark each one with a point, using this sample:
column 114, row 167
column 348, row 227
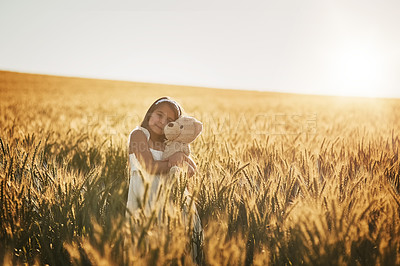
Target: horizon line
column 200, row 86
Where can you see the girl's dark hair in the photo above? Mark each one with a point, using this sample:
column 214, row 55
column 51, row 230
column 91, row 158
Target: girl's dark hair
column 167, row 100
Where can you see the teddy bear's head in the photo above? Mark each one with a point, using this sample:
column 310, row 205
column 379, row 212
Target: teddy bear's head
column 185, row 129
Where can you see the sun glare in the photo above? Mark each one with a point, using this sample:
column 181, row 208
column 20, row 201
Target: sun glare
column 359, row 70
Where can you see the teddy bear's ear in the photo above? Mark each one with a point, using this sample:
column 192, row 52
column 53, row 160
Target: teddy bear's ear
column 198, row 127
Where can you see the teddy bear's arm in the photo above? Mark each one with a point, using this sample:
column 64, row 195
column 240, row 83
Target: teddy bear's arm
column 174, row 147
column 186, row 149
column 167, row 152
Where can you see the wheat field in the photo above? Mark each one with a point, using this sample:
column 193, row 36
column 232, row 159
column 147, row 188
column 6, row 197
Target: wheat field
column 282, row 179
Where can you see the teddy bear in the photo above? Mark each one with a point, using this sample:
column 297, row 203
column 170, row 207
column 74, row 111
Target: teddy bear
column 179, row 135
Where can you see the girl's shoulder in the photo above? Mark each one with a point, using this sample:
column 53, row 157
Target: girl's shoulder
column 140, row 130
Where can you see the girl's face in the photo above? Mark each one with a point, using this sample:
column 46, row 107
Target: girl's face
column 161, row 116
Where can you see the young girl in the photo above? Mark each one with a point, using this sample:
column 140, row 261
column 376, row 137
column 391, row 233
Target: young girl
column 146, row 146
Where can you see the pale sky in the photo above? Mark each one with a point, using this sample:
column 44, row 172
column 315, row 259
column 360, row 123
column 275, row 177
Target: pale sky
column 345, row 47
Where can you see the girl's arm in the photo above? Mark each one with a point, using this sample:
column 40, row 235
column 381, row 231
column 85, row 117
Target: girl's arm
column 140, row 147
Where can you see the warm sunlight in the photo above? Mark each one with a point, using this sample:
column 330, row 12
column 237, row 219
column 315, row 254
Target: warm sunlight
column 359, row 69
column 347, row 48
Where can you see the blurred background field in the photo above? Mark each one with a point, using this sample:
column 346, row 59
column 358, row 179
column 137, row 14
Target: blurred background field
column 282, row 178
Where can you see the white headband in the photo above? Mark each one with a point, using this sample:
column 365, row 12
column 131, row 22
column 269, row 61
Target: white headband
column 170, row 101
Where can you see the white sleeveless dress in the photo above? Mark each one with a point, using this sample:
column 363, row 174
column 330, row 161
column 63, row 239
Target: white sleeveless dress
column 137, row 182
column 136, row 193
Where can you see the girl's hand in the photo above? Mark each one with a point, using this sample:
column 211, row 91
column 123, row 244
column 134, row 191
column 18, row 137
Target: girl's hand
column 190, row 171
column 176, row 159
column 179, row 158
